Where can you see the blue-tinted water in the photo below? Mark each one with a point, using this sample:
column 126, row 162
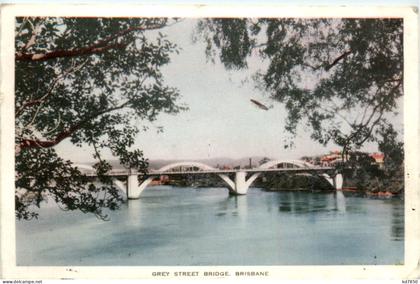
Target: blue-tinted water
column 206, row 226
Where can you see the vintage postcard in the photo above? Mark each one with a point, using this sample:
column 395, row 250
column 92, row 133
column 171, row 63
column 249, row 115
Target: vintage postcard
column 209, row 142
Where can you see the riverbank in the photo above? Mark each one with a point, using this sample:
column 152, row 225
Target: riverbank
column 384, row 188
column 375, row 187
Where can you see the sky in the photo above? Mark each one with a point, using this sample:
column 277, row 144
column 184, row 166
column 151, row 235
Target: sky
column 221, row 120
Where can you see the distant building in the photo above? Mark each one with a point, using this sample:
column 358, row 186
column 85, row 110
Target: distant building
column 225, row 167
column 379, row 159
column 334, row 157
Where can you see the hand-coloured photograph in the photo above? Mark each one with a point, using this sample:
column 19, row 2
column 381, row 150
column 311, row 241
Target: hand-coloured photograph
column 209, row 141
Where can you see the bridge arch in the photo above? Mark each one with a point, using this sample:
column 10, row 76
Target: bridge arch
column 297, row 163
column 120, row 185
column 186, row 164
column 135, row 190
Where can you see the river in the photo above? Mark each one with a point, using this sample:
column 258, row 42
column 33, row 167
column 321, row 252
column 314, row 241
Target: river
column 205, row 226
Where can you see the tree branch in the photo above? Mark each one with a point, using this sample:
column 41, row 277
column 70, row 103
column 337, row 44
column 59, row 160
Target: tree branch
column 37, row 143
column 32, row 143
column 360, row 143
column 32, row 40
column 66, row 53
column 98, row 47
column 53, row 85
column 338, row 59
column 28, row 104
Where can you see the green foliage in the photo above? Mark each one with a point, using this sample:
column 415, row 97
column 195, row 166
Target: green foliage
column 231, row 37
column 340, row 77
column 90, row 80
column 393, row 151
column 362, row 168
column 278, row 182
column 42, row 175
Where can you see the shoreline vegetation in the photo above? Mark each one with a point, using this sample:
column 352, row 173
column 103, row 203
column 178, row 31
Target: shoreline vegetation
column 372, row 187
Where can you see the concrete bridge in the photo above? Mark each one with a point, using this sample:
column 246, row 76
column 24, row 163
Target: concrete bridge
column 243, row 178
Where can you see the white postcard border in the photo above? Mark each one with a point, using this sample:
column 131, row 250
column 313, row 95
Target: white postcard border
column 410, row 269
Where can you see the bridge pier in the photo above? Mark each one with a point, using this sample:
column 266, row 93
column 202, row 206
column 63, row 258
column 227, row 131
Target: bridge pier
column 338, row 181
column 134, row 189
column 241, row 186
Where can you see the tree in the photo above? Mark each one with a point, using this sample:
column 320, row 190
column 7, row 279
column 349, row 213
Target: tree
column 369, row 176
column 341, row 77
column 362, row 169
column 393, row 151
column 91, row 81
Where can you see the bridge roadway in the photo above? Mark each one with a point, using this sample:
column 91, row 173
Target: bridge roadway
column 121, row 173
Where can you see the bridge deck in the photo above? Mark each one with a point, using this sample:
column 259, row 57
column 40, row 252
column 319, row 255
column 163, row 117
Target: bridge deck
column 116, row 173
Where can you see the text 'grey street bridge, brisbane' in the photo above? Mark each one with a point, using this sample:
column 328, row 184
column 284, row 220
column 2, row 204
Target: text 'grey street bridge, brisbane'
column 243, row 178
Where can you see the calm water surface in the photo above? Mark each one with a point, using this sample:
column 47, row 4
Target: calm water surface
column 205, row 226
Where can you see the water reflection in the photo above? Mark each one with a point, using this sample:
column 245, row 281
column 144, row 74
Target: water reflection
column 340, row 201
column 303, row 203
column 233, row 205
column 241, row 206
column 397, row 221
column 133, row 211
